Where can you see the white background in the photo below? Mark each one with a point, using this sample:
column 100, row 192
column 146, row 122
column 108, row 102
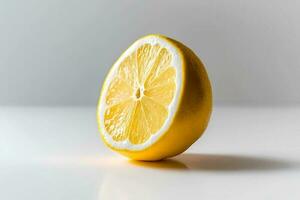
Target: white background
column 54, row 55
column 58, row 52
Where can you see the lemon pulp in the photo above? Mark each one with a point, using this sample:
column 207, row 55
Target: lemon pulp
column 139, row 95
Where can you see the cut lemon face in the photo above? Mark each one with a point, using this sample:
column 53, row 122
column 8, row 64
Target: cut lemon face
column 142, row 98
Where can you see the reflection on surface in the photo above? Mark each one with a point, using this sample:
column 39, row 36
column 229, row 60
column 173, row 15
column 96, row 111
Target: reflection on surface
column 137, row 180
column 163, row 164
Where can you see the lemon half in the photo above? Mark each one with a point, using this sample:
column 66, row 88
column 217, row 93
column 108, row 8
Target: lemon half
column 156, row 100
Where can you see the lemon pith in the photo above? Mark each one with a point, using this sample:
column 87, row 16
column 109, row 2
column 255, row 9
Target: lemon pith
column 156, row 100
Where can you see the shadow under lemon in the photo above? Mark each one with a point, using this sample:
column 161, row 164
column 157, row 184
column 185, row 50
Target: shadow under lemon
column 217, row 162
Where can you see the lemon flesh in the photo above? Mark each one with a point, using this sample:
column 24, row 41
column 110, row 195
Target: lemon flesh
column 138, row 96
column 156, row 100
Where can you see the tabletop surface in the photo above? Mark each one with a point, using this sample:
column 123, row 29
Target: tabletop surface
column 56, row 153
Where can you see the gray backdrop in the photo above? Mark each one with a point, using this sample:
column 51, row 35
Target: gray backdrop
column 56, row 52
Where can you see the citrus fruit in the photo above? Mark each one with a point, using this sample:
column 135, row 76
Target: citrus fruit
column 156, row 100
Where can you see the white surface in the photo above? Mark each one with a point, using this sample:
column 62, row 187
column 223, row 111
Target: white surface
column 55, row 52
column 56, row 153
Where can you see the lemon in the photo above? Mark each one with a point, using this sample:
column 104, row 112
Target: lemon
column 156, row 100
